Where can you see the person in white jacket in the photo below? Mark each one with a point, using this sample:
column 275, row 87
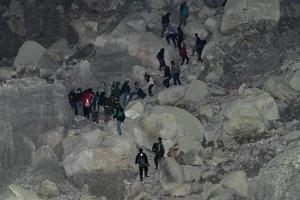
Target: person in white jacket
column 150, row 83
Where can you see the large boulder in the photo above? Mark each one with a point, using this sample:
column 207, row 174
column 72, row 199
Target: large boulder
column 278, row 179
column 250, row 113
column 239, row 12
column 295, row 80
column 171, row 96
column 176, row 127
column 172, row 178
column 134, row 110
column 196, row 91
column 236, row 181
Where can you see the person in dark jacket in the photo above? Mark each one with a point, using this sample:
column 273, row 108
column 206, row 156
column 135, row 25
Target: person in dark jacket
column 142, row 160
column 167, row 76
column 159, row 150
column 73, row 101
column 180, row 37
column 125, row 91
column 150, row 83
column 161, row 58
column 199, row 46
column 175, row 71
column 184, row 55
column 165, row 21
column 115, row 89
column 184, row 13
column 171, row 33
column 108, row 109
column 119, row 115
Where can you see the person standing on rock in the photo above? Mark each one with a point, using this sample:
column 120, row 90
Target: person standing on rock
column 159, row 150
column 167, row 76
column 95, row 108
column 184, row 55
column 142, row 160
column 180, row 37
column 150, row 83
column 161, row 58
column 119, row 115
column 175, row 70
column 72, row 100
column 199, row 46
column 165, row 21
column 171, row 33
column 184, row 13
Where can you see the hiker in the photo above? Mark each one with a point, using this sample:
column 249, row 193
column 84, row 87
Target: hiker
column 142, row 160
column 79, row 104
column 139, row 91
column 184, row 13
column 108, row 109
column 171, row 33
column 95, row 108
column 86, row 102
column 167, row 76
column 199, row 46
column 175, row 70
column 165, row 21
column 125, row 90
column 184, row 55
column 150, row 83
column 73, row 101
column 159, row 150
column 161, row 58
column 180, row 37
column 115, row 89
column 119, row 115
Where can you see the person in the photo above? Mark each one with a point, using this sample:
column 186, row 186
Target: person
column 150, row 83
column 175, row 70
column 86, row 102
column 119, row 115
column 125, row 91
column 115, row 89
column 79, row 104
column 159, row 150
column 184, row 13
column 167, row 76
column 171, row 33
column 165, row 20
column 73, row 101
column 180, row 37
column 139, row 91
column 184, row 55
column 142, row 160
column 108, row 109
column 199, row 46
column 161, row 58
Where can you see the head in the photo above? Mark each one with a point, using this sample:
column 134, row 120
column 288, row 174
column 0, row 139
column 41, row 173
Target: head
column 141, row 150
column 196, row 35
column 169, row 14
column 159, row 139
column 172, row 62
column 102, row 93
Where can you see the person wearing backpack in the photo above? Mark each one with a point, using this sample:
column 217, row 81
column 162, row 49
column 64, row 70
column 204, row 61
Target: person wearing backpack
column 175, row 70
column 142, row 160
column 184, row 55
column 119, row 115
column 86, row 102
column 159, row 150
column 165, row 21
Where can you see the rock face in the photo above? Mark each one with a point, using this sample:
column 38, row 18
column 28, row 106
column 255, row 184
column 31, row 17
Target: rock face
column 295, row 80
column 277, row 180
column 239, row 12
column 197, row 91
column 172, row 178
column 7, row 148
column 236, row 181
column 250, row 113
column 171, row 96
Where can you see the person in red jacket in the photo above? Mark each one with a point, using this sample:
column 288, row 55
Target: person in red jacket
column 184, row 55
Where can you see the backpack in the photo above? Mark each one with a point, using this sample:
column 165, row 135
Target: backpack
column 121, row 116
column 155, row 147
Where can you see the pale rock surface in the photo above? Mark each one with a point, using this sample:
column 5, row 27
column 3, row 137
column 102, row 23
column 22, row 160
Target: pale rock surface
column 138, row 73
column 237, row 181
column 295, row 81
column 134, row 110
column 22, row 194
column 171, row 96
column 48, row 189
column 44, row 157
column 196, row 91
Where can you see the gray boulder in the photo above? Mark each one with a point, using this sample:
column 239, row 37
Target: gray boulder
column 171, row 96
column 196, row 91
column 7, row 147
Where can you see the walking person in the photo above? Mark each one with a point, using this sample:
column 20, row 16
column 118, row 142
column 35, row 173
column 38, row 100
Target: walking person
column 73, row 101
column 159, row 150
column 86, row 102
column 165, row 21
column 142, row 160
column 175, row 70
column 184, row 13
column 119, row 115
column 199, row 46
column 161, row 58
column 180, row 37
column 150, row 83
column 171, row 33
column 184, row 54
column 167, row 76
column 95, row 108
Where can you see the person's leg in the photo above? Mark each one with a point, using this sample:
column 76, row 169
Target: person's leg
column 150, row 90
column 174, row 79
column 141, row 173
column 178, row 79
column 200, row 54
column 119, row 128
column 76, row 108
column 168, row 39
column 146, row 171
column 182, row 60
column 156, row 161
column 174, row 40
column 187, row 59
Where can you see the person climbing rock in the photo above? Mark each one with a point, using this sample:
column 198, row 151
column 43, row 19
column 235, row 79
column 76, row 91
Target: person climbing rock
column 171, row 33
column 150, row 83
column 199, row 46
column 167, row 76
column 161, row 58
column 184, row 54
column 165, row 21
column 175, row 70
column 180, row 37
column 159, row 150
column 72, row 100
column 119, row 115
column 142, row 160
column 184, row 13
